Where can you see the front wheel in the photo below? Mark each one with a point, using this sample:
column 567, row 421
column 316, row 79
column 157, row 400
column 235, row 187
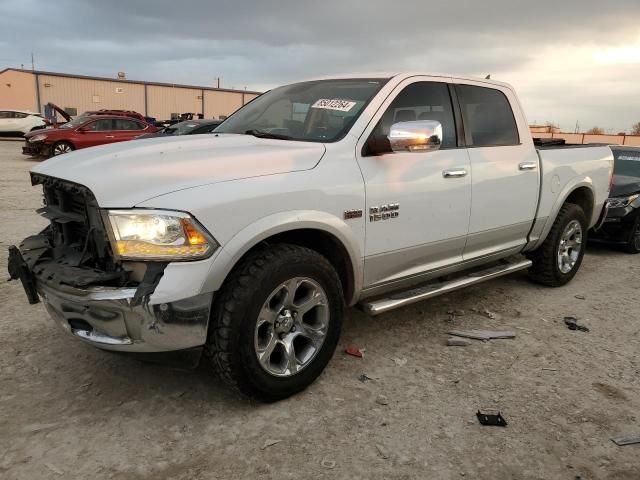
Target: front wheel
column 276, row 322
column 633, row 245
column 558, row 259
column 61, row 148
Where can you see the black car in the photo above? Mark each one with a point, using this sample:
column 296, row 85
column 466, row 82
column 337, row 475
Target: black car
column 622, row 224
column 189, row 127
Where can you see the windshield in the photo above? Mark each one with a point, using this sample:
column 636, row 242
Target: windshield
column 76, row 122
column 317, row 111
column 627, row 163
column 181, row 128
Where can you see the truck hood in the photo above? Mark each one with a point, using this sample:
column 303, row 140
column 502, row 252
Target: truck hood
column 126, row 174
column 624, row 185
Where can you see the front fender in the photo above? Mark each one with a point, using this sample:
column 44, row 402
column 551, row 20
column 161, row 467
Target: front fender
column 283, row 222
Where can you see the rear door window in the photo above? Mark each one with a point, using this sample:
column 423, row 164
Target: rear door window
column 125, row 124
column 6, row 114
column 103, row 125
column 487, row 115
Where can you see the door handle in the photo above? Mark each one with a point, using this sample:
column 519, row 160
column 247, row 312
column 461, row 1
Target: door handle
column 528, row 166
column 109, row 136
column 454, row 173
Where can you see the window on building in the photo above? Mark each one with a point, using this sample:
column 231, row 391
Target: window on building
column 72, row 111
column 488, row 118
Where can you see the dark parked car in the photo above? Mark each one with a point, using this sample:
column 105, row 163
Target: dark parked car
column 189, row 127
column 83, row 132
column 622, row 223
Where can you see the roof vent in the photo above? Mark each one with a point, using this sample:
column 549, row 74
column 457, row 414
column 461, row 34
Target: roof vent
column 121, row 76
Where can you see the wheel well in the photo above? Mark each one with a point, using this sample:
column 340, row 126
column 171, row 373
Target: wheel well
column 326, row 245
column 583, row 197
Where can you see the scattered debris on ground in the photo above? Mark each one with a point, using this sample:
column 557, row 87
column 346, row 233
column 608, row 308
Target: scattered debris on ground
column 572, row 324
column 327, row 463
column 382, row 451
column 269, row 443
column 457, row 342
column 491, row 315
column 626, row 440
column 401, row 362
column 491, row 419
column 382, row 400
column 363, row 377
column 482, row 334
column 580, row 297
column 354, row 351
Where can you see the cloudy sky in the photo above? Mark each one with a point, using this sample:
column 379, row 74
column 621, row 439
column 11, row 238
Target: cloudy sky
column 570, row 60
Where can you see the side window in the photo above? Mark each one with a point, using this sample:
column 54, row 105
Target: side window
column 6, row 115
column 421, row 101
column 103, row 125
column 19, row 115
column 487, row 115
column 124, row 124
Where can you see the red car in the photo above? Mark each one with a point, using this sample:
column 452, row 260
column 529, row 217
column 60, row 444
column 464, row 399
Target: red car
column 83, row 132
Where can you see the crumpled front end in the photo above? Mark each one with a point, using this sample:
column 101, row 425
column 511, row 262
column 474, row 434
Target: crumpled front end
column 111, row 304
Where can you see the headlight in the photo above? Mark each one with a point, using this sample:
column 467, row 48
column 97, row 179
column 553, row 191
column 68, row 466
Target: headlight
column 621, row 202
column 158, row 235
column 37, row 138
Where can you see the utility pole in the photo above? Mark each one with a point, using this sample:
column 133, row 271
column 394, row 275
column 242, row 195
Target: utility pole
column 218, row 82
column 33, row 65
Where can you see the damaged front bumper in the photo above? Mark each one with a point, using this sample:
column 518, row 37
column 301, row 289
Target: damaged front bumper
column 172, row 316
column 36, row 149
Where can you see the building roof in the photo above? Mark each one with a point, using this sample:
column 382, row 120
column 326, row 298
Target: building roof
column 137, row 82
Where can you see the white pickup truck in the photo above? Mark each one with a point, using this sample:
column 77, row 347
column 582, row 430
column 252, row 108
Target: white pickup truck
column 246, row 244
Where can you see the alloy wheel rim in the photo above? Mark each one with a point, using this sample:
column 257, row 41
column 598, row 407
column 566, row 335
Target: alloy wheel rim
column 60, row 149
column 570, row 246
column 291, row 327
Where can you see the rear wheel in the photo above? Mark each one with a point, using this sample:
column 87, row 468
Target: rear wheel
column 61, row 148
column 633, row 245
column 558, row 259
column 276, row 322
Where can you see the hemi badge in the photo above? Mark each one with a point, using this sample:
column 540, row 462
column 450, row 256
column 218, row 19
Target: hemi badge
column 349, row 214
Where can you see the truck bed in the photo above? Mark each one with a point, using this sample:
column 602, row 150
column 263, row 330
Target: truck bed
column 557, row 143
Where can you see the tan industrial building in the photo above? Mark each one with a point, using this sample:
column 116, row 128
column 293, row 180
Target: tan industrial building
column 32, row 90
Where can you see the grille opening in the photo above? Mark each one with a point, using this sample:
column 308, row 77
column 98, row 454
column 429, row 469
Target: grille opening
column 79, row 324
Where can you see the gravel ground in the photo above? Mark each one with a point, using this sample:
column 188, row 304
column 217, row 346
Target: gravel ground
column 71, row 411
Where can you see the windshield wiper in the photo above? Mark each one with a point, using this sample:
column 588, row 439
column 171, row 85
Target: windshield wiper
column 263, row 134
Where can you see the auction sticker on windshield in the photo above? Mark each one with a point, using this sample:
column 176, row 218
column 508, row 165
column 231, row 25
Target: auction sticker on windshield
column 334, row 104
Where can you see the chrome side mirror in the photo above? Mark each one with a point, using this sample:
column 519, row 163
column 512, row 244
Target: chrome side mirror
column 416, row 136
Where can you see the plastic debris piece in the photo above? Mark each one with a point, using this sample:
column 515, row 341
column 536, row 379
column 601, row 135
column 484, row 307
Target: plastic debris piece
column 353, row 351
column 327, row 463
column 482, row 334
column 626, row 440
column 382, row 451
column 269, row 443
column 401, row 362
column 457, row 342
column 580, row 297
column 572, row 324
column 491, row 419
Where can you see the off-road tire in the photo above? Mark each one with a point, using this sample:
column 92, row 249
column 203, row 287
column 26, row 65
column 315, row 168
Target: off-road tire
column 545, row 268
column 230, row 343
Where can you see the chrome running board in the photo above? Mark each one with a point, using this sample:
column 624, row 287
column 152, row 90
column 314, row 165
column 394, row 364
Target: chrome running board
column 401, row 299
